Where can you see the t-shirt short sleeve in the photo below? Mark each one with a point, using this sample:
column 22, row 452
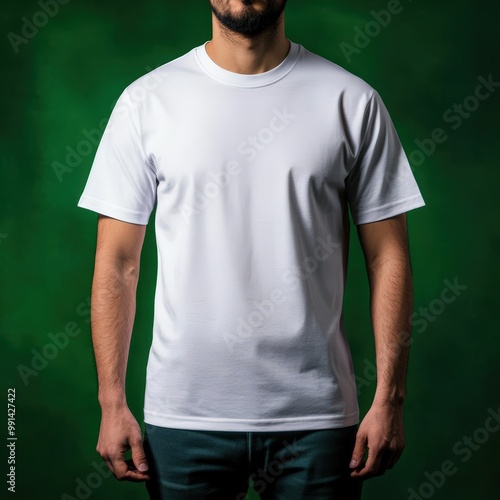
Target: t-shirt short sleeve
column 122, row 181
column 380, row 183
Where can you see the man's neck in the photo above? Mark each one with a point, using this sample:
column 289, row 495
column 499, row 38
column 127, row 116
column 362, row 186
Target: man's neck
column 248, row 56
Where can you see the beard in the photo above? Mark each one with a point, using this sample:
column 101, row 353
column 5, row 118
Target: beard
column 250, row 22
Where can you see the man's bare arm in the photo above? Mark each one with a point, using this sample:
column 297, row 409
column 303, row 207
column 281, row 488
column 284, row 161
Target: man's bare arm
column 385, row 247
column 113, row 305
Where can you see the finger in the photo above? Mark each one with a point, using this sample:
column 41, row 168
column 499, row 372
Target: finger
column 371, row 467
column 120, row 466
column 106, row 459
column 356, row 473
column 109, row 464
column 374, row 462
column 134, row 475
column 137, row 473
column 359, row 451
column 138, row 456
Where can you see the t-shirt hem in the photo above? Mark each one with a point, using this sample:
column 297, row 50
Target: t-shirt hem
column 315, row 422
column 113, row 211
column 388, row 210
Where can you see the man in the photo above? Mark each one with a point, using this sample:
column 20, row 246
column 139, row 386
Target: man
column 253, row 149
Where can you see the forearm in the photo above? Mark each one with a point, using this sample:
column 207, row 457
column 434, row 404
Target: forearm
column 391, row 312
column 386, row 250
column 112, row 317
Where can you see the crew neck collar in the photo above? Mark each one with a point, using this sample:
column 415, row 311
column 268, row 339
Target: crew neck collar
column 241, row 80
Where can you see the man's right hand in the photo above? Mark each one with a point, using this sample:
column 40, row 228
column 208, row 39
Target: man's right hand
column 119, row 433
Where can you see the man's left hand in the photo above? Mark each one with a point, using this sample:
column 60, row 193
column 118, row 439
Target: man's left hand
column 382, row 432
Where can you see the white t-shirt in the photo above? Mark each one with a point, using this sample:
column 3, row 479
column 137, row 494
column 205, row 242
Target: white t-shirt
column 252, row 176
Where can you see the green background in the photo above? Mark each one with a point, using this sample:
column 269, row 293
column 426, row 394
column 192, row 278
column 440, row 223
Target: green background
column 65, row 80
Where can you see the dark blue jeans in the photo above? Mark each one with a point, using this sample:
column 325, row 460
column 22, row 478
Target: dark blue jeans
column 219, row 465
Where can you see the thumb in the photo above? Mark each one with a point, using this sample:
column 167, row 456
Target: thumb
column 359, row 451
column 138, row 456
